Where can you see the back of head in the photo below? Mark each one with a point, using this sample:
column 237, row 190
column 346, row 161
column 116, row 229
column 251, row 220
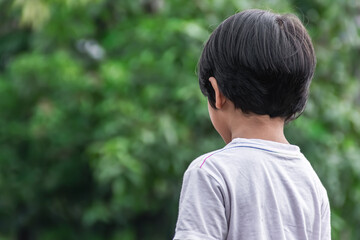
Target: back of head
column 263, row 62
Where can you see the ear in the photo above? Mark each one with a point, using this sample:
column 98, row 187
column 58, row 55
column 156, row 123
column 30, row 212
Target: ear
column 220, row 99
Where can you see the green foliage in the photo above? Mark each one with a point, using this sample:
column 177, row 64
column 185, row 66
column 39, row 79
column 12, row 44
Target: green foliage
column 100, row 112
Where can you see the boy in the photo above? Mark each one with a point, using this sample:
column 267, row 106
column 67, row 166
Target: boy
column 255, row 71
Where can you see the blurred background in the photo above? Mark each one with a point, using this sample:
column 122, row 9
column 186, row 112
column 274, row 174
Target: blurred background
column 101, row 113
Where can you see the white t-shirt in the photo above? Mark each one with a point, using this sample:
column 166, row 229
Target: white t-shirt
column 253, row 189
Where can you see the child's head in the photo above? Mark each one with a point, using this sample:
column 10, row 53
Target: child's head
column 263, row 63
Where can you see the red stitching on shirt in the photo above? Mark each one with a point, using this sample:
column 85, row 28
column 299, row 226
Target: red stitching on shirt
column 207, row 158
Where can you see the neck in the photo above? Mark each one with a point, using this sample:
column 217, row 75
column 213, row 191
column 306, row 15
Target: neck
column 254, row 126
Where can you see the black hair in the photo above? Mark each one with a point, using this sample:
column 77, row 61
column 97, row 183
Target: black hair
column 263, row 62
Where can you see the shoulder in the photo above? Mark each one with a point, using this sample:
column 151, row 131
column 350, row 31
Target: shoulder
column 223, row 163
column 230, row 156
column 200, row 161
column 227, row 157
column 208, row 164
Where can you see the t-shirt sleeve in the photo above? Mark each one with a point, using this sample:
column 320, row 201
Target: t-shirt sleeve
column 201, row 208
column 325, row 220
